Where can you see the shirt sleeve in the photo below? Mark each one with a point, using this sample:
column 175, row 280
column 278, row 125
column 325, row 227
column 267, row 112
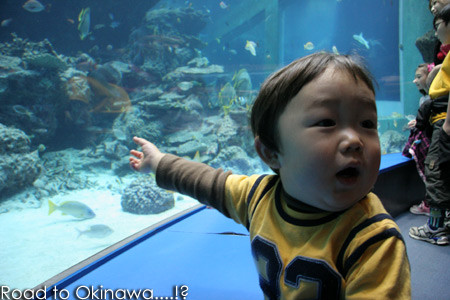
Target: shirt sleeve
column 194, row 179
column 381, row 272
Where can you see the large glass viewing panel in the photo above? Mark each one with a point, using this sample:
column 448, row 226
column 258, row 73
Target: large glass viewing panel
column 79, row 79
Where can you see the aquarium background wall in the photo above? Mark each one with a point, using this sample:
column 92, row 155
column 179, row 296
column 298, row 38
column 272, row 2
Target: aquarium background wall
column 79, row 79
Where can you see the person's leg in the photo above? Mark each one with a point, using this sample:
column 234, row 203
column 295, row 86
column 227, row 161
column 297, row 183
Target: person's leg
column 438, row 192
column 434, row 230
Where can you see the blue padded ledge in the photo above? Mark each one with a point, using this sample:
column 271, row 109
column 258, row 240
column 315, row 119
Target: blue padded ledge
column 204, row 251
column 392, row 161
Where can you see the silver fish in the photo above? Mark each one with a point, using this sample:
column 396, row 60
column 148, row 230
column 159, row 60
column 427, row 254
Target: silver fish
column 97, row 231
column 360, row 39
column 33, row 6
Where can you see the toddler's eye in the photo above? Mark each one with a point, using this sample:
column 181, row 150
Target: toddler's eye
column 326, row 123
column 368, row 124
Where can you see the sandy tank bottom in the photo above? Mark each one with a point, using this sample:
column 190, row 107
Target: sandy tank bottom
column 36, row 246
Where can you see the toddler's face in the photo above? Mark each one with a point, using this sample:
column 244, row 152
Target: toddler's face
column 329, row 147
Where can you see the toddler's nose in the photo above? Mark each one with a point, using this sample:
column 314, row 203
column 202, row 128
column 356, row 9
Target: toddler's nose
column 351, row 142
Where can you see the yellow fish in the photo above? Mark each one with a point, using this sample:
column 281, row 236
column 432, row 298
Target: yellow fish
column 396, row 115
column 197, row 157
column 84, row 22
column 251, row 46
column 74, row 208
column 308, row 46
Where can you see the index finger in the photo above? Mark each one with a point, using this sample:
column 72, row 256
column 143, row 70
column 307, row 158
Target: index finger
column 139, row 141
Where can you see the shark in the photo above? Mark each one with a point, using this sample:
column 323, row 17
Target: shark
column 360, row 39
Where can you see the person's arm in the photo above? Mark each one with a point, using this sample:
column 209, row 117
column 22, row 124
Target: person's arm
column 194, row 179
column 446, row 125
column 381, row 272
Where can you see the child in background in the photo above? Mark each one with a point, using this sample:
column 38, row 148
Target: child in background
column 437, row 162
column 436, row 6
column 316, row 229
column 418, row 141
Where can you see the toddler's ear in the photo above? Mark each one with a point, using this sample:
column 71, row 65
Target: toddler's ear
column 269, row 156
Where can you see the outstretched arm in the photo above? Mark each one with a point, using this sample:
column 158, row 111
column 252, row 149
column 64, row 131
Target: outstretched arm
column 446, row 125
column 147, row 160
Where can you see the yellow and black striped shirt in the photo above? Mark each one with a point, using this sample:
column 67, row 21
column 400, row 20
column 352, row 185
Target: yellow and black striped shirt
column 358, row 253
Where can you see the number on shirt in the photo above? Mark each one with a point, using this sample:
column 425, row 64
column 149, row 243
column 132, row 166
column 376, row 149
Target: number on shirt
column 299, row 269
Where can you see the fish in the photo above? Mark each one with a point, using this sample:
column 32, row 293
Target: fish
column 40, row 130
column 360, row 39
column 335, row 50
column 308, row 46
column 84, row 22
column 185, row 85
column 99, row 26
column 6, row 22
column 410, row 117
column 74, row 208
column 227, row 94
column 396, row 115
column 251, row 47
column 223, row 5
column 114, row 24
column 33, row 6
column 241, row 100
column 22, row 110
column 197, row 157
column 119, row 134
column 97, row 231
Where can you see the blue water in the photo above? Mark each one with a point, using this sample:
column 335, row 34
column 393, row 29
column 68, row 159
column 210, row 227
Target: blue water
column 325, row 23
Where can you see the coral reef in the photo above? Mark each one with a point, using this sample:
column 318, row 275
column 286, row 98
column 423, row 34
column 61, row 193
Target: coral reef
column 19, row 167
column 144, row 197
column 30, row 87
column 61, row 172
column 167, row 39
column 86, row 109
column 392, row 141
column 45, row 60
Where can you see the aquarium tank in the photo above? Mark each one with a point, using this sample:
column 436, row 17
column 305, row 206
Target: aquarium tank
column 80, row 78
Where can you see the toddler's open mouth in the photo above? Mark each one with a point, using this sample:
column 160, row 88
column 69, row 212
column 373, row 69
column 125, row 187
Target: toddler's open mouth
column 348, row 175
